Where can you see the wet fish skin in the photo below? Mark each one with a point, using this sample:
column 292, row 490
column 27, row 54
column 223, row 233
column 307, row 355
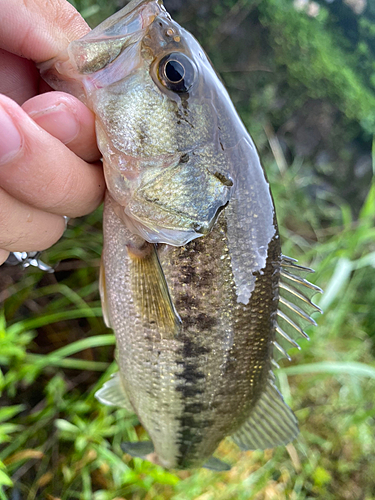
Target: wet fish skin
column 191, row 260
column 198, row 386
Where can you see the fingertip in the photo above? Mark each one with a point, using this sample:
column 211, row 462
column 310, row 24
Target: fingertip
column 68, row 119
column 4, row 254
column 45, row 103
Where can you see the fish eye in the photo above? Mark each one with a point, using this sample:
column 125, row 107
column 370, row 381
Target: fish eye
column 177, row 72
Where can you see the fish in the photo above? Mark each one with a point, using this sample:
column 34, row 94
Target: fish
column 193, row 281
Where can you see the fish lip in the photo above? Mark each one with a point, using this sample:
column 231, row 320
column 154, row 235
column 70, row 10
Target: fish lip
column 152, row 9
column 144, row 11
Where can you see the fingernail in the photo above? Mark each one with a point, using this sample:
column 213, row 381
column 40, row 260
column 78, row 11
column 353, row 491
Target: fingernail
column 10, row 139
column 59, row 122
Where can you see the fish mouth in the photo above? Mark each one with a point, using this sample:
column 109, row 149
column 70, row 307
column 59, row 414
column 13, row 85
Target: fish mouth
column 143, row 13
column 110, row 46
column 136, row 16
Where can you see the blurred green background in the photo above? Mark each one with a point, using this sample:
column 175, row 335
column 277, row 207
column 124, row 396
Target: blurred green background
column 302, row 75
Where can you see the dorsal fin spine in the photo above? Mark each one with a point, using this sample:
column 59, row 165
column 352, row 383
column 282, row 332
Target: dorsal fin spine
column 300, row 280
column 282, row 350
column 299, row 295
column 293, row 324
column 297, row 310
column 281, row 332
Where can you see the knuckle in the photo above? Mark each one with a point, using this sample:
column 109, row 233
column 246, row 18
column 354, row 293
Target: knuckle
column 55, row 191
column 64, row 189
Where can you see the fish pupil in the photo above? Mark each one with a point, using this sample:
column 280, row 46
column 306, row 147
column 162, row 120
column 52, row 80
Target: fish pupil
column 174, row 71
column 177, row 72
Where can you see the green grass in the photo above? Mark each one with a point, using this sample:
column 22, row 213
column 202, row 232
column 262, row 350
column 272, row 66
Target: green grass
column 59, row 442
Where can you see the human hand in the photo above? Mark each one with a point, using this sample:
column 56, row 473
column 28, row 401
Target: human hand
column 48, row 155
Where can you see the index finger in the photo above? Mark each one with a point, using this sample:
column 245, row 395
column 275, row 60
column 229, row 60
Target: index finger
column 39, row 29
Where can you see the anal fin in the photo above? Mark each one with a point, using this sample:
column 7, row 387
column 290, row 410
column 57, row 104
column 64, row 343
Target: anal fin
column 217, row 465
column 113, row 394
column 271, row 423
column 140, row 449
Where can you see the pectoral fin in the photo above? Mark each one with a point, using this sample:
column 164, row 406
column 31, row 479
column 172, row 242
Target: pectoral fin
column 113, row 394
column 271, row 423
column 151, row 293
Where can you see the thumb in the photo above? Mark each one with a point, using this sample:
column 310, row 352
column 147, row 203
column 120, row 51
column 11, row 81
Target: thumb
column 39, row 29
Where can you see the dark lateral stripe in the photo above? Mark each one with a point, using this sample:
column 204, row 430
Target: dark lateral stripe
column 190, row 349
column 194, row 407
column 192, row 383
column 190, row 373
column 189, row 391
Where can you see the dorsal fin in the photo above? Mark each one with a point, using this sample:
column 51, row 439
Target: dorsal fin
column 295, row 304
column 271, row 423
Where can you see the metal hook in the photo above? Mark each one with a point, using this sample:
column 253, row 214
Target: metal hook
column 26, row 259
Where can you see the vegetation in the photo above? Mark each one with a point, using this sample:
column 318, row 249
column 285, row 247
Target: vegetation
column 305, row 87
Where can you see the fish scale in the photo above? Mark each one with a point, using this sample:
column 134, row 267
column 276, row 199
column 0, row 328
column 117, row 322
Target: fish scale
column 192, row 280
column 220, row 339
column 147, row 362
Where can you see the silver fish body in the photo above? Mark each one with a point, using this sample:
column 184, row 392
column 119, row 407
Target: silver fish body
column 192, row 265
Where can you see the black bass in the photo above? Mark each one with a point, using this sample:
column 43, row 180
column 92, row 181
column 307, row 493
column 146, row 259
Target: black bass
column 192, row 267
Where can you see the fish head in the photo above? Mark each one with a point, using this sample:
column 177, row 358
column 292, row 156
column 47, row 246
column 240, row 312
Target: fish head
column 151, row 87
